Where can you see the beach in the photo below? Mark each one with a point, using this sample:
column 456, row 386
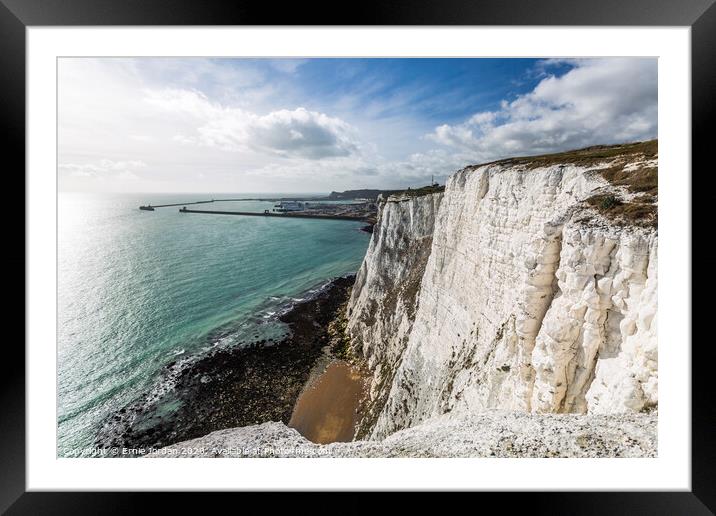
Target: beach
column 248, row 384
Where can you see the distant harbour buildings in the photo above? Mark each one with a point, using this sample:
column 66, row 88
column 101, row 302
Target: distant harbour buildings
column 289, row 206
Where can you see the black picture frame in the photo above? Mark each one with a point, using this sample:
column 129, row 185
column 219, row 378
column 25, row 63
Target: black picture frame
column 700, row 15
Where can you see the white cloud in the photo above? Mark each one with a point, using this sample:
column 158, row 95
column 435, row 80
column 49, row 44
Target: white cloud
column 598, row 101
column 289, row 133
column 104, row 175
column 302, row 133
column 101, row 168
column 287, row 65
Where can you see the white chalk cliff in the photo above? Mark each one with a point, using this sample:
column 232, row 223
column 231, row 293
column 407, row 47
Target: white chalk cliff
column 529, row 300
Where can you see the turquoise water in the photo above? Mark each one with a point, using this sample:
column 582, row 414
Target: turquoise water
column 139, row 289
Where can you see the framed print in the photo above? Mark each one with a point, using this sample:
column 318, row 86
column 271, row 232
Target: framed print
column 436, row 249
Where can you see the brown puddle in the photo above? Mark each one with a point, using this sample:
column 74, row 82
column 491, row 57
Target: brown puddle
column 326, row 412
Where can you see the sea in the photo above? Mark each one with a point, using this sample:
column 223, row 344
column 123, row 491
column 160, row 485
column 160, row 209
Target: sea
column 138, row 290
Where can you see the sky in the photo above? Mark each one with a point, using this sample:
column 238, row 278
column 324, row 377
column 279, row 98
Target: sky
column 316, row 125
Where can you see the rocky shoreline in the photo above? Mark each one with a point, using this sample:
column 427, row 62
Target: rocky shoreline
column 233, row 387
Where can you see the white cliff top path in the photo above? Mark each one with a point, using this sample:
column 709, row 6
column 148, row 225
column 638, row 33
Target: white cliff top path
column 489, row 434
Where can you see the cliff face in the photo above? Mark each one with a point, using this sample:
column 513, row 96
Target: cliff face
column 384, row 300
column 524, row 287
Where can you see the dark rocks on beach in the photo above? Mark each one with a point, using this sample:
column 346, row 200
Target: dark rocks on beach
column 248, row 385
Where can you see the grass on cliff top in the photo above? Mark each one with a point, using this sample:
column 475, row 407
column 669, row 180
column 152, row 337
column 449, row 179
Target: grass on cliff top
column 641, row 180
column 419, row 192
column 642, row 211
column 586, row 157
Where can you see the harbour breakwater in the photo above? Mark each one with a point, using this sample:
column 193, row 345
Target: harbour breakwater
column 150, row 207
column 279, row 215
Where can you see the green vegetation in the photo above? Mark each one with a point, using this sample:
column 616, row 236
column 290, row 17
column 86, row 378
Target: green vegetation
column 637, row 212
column 338, row 334
column 419, row 192
column 586, row 157
column 640, row 179
column 608, row 201
column 359, row 194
